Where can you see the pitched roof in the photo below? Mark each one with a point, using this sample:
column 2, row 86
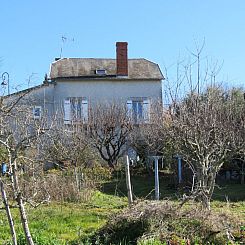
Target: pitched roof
column 85, row 67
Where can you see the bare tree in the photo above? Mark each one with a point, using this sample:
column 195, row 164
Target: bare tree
column 199, row 120
column 18, row 133
column 69, row 144
column 199, row 132
column 108, row 129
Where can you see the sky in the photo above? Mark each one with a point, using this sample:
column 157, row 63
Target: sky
column 163, row 31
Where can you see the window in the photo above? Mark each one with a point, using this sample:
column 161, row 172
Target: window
column 138, row 110
column 37, row 110
column 100, row 72
column 75, row 110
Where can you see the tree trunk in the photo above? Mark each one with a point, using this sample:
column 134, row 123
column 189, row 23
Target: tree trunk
column 204, row 187
column 21, row 206
column 24, row 220
column 206, row 201
column 9, row 215
column 128, row 182
column 205, row 194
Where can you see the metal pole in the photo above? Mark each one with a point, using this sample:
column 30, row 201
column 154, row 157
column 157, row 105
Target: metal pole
column 179, row 169
column 128, row 182
column 157, row 193
column 4, row 80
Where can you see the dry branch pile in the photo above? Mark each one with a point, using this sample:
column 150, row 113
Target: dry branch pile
column 165, row 222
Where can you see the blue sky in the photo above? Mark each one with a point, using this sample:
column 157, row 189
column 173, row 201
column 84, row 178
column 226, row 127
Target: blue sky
column 161, row 31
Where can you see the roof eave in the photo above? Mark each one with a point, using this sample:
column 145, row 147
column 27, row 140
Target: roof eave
column 108, row 77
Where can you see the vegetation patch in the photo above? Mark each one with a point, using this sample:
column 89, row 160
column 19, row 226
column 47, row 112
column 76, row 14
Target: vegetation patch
column 60, row 223
column 164, row 221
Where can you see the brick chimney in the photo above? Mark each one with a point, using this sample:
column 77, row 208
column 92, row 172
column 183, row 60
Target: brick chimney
column 122, row 58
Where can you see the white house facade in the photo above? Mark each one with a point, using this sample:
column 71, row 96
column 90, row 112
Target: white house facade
column 75, row 85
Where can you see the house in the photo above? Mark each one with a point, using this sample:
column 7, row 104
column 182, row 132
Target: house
column 76, row 84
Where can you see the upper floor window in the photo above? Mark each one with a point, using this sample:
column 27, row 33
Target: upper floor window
column 138, row 109
column 75, row 110
column 37, row 112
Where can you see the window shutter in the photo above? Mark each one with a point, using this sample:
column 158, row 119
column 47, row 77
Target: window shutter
column 67, row 111
column 129, row 108
column 146, row 110
column 85, row 110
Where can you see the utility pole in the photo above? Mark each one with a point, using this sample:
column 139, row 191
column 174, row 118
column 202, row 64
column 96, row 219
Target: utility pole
column 5, row 80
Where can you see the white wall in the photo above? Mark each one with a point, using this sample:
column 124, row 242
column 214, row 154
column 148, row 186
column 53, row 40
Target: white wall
column 51, row 97
column 103, row 91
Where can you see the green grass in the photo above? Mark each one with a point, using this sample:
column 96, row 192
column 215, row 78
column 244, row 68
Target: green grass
column 231, row 192
column 142, row 187
column 66, row 222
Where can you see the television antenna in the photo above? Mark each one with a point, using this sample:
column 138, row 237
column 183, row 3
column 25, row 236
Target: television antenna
column 64, row 39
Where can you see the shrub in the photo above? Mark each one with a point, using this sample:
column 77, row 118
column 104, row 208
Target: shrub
column 70, row 185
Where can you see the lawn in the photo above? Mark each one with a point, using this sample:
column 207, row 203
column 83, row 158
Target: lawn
column 63, row 222
column 60, row 223
column 143, row 187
